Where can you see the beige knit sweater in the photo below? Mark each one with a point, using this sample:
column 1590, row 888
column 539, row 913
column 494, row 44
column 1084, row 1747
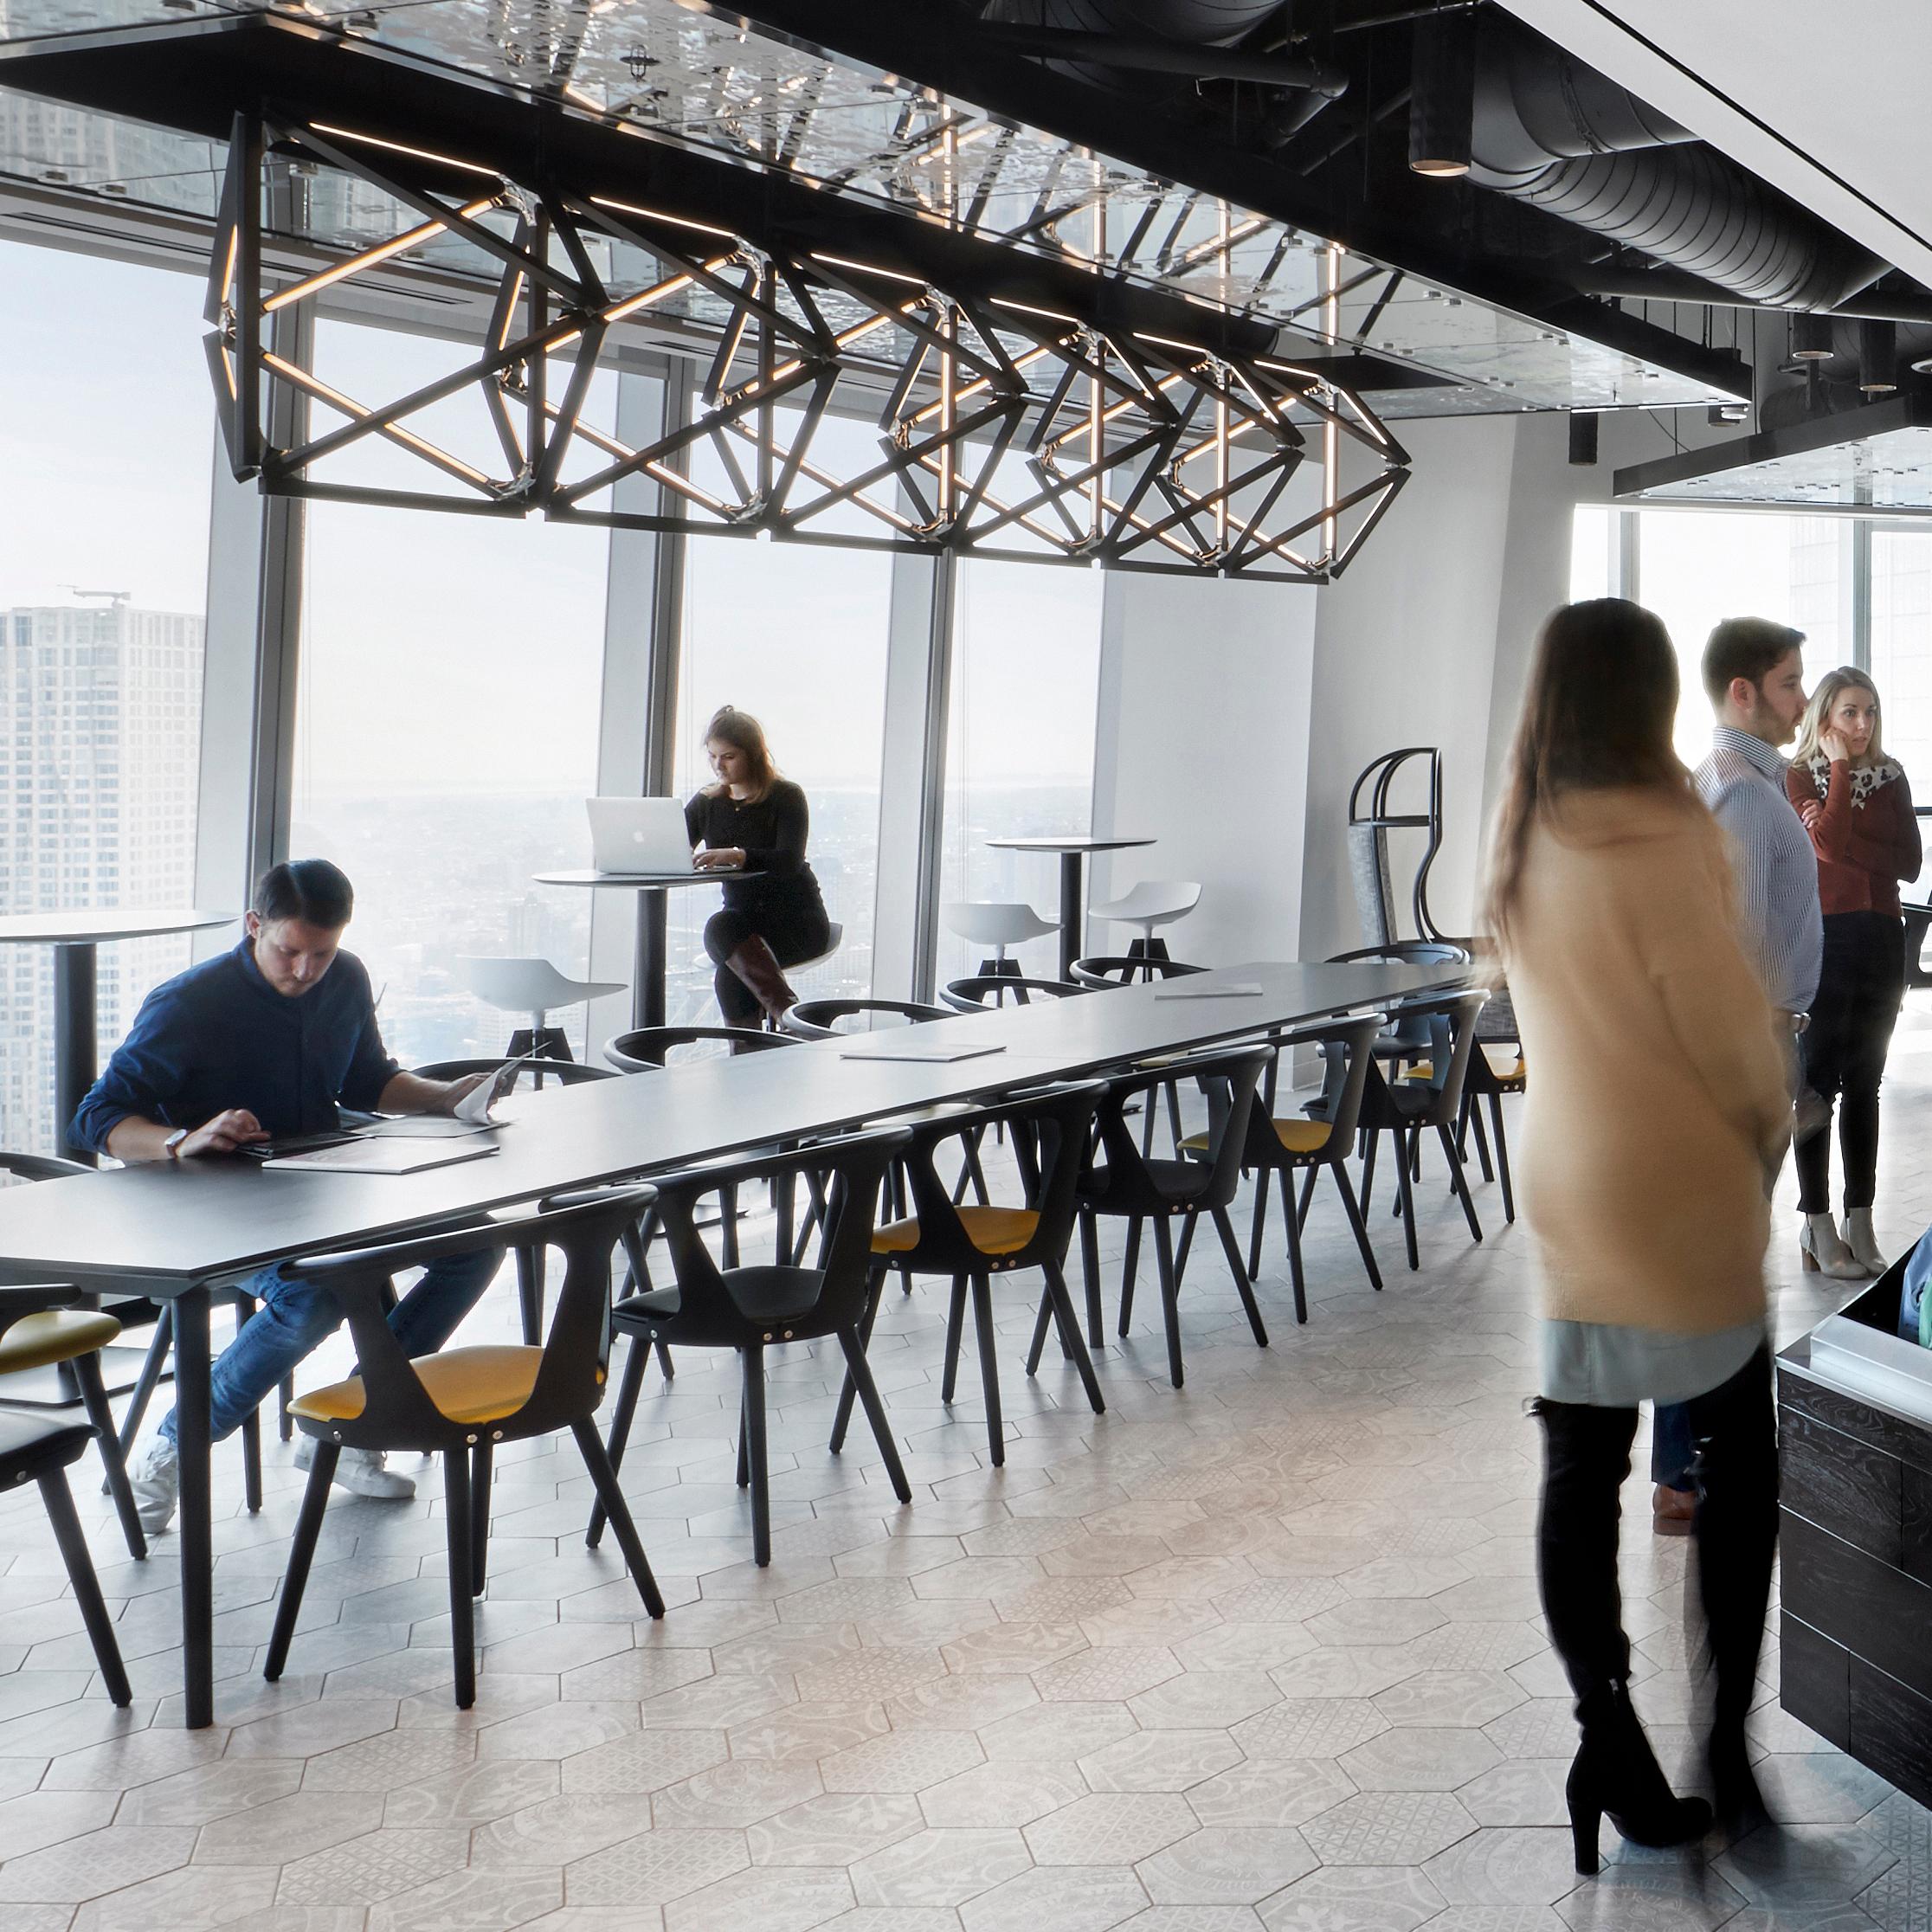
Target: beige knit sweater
column 1657, row 1088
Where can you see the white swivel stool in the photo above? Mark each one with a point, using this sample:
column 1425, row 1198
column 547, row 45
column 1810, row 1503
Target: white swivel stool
column 834, row 938
column 1154, row 902
column 998, row 924
column 533, row 986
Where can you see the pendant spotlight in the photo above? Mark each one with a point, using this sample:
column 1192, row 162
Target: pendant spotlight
column 1811, row 338
column 1442, row 91
column 1877, row 358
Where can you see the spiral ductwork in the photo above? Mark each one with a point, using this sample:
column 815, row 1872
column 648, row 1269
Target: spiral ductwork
column 1548, row 131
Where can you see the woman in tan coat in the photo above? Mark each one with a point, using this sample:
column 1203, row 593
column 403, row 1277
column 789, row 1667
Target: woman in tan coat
column 1656, row 1123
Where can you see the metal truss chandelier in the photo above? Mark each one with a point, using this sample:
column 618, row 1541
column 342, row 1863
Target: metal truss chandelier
column 1006, row 427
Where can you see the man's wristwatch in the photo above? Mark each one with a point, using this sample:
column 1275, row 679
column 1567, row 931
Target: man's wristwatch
column 173, row 1143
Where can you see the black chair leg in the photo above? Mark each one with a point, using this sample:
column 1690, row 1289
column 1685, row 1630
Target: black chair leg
column 623, row 1413
column 1232, row 1249
column 149, row 1380
column 1458, row 1184
column 462, row 1567
column 745, row 1445
column 1089, row 1279
column 603, row 1479
column 990, row 1369
column 1260, row 1221
column 754, row 1441
column 251, row 1424
column 1173, row 1114
column 94, row 1393
column 1294, row 1245
column 286, row 1422
column 1129, row 1269
column 481, row 1463
column 1037, row 1347
column 61, row 1512
column 1307, row 1197
column 955, row 1316
column 530, row 1294
column 1170, row 1295
column 727, row 1203
column 1357, row 1225
column 301, row 1554
column 1182, row 1249
column 1473, row 1113
column 1062, row 1304
column 1374, row 1141
column 1501, row 1157
column 1405, row 1204
column 841, row 1420
column 859, row 1376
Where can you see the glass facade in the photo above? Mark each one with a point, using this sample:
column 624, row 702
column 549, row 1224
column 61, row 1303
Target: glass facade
column 104, row 500
column 447, row 736
column 1026, row 674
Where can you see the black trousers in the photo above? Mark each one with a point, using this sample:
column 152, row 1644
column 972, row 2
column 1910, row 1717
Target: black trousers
column 1858, row 994
column 792, row 936
column 1586, row 1458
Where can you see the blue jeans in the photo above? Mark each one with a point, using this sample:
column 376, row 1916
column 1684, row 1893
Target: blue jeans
column 296, row 1315
column 1672, row 1450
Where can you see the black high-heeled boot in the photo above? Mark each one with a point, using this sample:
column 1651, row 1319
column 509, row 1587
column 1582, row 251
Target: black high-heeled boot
column 1616, row 1774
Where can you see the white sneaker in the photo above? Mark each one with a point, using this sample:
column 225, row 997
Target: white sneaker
column 362, row 1472
column 155, row 1478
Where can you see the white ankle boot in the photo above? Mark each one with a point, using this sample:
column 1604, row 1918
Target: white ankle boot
column 1822, row 1253
column 1862, row 1243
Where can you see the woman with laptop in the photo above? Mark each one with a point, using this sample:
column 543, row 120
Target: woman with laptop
column 752, row 819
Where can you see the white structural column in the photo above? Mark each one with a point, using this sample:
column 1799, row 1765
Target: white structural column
column 913, row 778
column 248, row 676
column 1202, row 743
column 638, row 713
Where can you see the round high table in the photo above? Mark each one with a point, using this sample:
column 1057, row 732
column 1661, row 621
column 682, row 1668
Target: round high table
column 74, row 937
column 1072, row 896
column 652, row 921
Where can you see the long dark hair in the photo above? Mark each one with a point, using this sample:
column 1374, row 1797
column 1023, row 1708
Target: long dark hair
column 1597, row 711
column 730, row 726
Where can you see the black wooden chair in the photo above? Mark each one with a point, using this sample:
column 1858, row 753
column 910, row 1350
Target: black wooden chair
column 973, row 1244
column 1126, row 1182
column 1443, row 1028
column 818, row 1018
column 1918, row 925
column 63, row 1333
column 39, row 1449
column 1281, row 1148
column 749, row 1308
column 981, row 992
column 536, row 1074
column 462, row 1403
column 1488, row 1080
column 1104, row 969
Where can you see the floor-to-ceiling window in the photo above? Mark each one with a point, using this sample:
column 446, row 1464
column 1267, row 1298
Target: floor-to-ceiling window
column 796, row 635
column 1026, row 670
column 103, row 502
column 446, row 727
column 1901, row 649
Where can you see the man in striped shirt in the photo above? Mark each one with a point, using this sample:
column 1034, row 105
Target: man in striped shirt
column 1756, row 679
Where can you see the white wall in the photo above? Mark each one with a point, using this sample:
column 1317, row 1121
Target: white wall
column 1203, row 744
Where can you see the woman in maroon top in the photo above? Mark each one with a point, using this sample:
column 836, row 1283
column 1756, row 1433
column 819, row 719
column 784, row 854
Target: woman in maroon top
column 1857, row 805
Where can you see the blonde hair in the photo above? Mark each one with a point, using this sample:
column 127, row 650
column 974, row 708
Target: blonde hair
column 741, row 731
column 1818, row 715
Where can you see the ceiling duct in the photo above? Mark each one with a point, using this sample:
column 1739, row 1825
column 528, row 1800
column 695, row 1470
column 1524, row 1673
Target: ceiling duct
column 1548, row 131
column 1122, row 44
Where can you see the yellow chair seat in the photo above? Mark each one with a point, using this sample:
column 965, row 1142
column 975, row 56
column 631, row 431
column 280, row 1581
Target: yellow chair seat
column 991, row 1230
column 467, row 1385
column 1514, row 1071
column 56, row 1335
column 1298, row 1136
column 1422, row 1070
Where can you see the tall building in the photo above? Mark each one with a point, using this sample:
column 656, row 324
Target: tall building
column 99, row 733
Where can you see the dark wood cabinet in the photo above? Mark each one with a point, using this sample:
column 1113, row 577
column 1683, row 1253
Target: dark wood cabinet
column 1856, row 1476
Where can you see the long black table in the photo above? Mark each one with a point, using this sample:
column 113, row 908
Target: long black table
column 176, row 1232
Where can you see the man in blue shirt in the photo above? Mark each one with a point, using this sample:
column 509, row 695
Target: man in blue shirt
column 266, row 1043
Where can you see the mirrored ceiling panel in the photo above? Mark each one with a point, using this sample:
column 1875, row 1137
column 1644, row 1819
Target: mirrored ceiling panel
column 668, row 71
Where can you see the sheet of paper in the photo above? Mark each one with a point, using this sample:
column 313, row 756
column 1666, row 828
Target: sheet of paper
column 474, row 1106
column 384, row 1156
column 1180, row 989
column 421, row 1127
column 891, row 1049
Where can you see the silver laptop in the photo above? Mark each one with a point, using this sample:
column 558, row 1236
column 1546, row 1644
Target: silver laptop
column 638, row 835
